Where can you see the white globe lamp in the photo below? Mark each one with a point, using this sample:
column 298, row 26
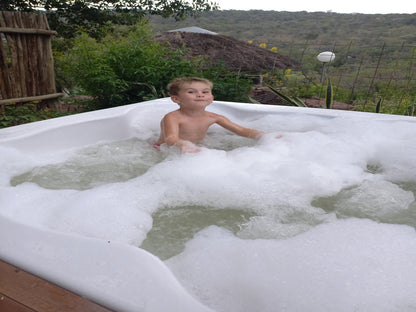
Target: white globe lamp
column 325, row 57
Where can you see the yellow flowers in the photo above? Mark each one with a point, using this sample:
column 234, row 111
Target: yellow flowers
column 278, row 77
column 263, row 45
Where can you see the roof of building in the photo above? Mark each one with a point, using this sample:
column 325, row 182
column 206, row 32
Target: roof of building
column 194, row 29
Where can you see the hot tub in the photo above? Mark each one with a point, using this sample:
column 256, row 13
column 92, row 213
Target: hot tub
column 318, row 215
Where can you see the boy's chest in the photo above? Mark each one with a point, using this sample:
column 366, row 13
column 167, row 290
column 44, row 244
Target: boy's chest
column 195, row 127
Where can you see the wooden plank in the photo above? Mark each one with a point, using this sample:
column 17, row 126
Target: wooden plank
column 51, row 86
column 5, row 84
column 33, row 61
column 21, row 51
column 7, row 304
column 28, row 31
column 16, row 88
column 24, row 292
column 31, row 98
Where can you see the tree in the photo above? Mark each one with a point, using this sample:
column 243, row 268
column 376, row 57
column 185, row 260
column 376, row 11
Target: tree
column 69, row 16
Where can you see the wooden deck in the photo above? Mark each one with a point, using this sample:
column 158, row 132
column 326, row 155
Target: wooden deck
column 23, row 292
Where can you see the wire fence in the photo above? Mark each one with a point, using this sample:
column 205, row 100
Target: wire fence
column 361, row 74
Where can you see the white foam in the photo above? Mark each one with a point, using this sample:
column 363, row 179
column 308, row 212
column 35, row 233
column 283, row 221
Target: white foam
column 374, row 199
column 350, row 265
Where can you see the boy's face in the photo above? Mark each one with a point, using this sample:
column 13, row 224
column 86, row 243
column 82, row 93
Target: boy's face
column 194, row 94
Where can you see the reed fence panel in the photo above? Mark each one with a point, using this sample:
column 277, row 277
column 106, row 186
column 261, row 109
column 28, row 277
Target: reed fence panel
column 26, row 60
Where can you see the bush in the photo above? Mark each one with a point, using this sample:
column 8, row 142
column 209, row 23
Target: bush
column 133, row 67
column 228, row 86
column 120, row 71
column 24, row 113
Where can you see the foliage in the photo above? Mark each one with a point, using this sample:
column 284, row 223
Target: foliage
column 411, row 110
column 329, row 97
column 295, row 101
column 13, row 5
column 378, row 106
column 396, row 106
column 227, row 86
column 284, row 30
column 135, row 68
column 292, row 101
column 96, row 16
column 18, row 114
column 122, row 70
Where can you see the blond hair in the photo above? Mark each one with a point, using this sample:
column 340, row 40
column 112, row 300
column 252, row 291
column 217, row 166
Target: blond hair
column 175, row 86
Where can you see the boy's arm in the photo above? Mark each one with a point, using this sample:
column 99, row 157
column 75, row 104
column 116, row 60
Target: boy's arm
column 170, row 128
column 237, row 129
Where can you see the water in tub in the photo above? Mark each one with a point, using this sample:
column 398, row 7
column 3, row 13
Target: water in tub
column 321, row 219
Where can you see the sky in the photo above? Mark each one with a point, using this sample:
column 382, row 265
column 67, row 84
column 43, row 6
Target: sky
column 351, row 6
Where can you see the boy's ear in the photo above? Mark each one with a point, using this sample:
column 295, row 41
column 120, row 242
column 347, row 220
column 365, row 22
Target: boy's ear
column 175, row 99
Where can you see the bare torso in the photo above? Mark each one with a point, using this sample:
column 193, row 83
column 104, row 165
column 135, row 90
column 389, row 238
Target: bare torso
column 189, row 128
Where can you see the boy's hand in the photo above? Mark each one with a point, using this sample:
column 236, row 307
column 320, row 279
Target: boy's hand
column 188, row 147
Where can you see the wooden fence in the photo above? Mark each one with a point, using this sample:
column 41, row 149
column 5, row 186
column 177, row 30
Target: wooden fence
column 26, row 61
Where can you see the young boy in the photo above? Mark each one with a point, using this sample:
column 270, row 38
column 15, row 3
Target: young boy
column 188, row 125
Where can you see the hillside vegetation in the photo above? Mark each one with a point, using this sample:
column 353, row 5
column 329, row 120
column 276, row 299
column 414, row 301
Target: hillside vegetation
column 375, row 53
column 276, row 28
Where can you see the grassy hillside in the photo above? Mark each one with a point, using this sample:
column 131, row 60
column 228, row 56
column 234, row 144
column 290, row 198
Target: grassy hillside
column 275, row 28
column 375, row 53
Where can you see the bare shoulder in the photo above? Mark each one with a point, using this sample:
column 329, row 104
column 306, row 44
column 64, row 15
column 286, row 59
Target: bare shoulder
column 172, row 116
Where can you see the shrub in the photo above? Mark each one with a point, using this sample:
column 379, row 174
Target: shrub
column 228, row 86
column 134, row 68
column 120, row 71
column 24, row 113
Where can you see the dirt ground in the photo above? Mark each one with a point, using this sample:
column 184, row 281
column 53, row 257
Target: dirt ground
column 265, row 96
column 237, row 55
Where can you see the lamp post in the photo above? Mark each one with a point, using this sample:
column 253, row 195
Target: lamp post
column 325, row 57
